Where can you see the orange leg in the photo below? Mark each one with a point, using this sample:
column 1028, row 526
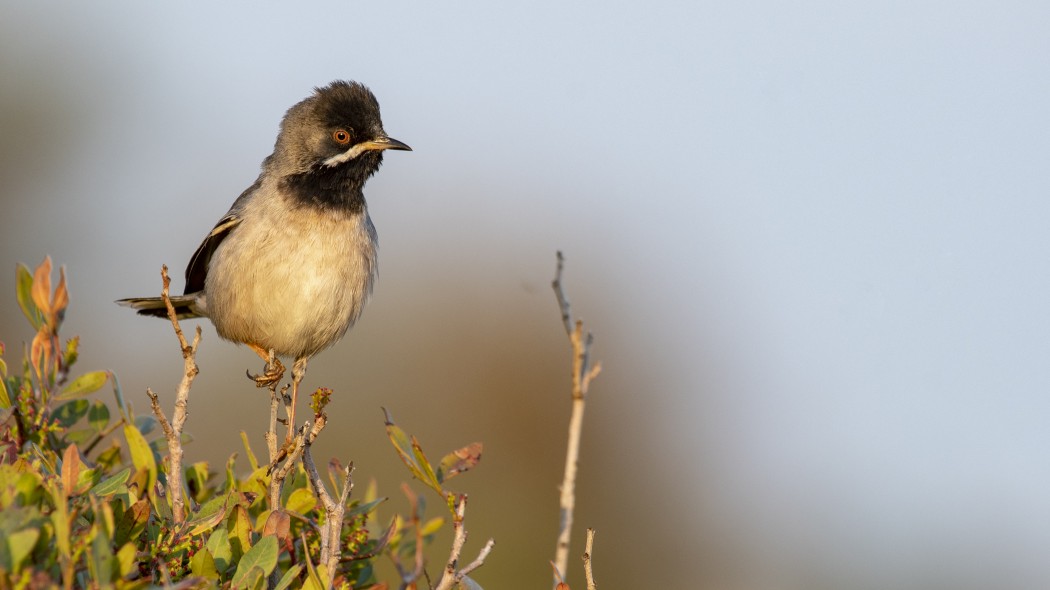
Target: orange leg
column 274, row 368
column 298, row 372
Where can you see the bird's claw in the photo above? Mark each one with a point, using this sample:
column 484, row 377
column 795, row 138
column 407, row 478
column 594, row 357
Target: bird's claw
column 273, row 374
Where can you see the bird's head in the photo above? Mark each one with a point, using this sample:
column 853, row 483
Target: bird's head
column 335, row 134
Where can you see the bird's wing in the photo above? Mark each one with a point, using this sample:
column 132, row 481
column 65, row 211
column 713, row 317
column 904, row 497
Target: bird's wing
column 197, row 270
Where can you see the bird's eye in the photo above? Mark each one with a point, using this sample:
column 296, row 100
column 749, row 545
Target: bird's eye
column 341, row 136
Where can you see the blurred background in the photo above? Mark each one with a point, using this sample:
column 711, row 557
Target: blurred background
column 810, row 238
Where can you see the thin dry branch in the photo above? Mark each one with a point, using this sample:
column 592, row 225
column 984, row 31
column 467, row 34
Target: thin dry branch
column 304, row 437
column 582, row 374
column 173, row 430
column 587, row 553
column 331, row 546
column 277, row 454
column 451, row 576
column 271, row 431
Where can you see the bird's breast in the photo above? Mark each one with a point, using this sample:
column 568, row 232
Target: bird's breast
column 293, row 279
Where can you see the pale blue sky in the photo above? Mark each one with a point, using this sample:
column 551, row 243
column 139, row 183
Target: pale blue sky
column 811, row 238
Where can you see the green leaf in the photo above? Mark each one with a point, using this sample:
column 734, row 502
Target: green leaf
column 313, row 578
column 46, row 459
column 197, row 480
column 80, row 435
column 29, row 487
column 432, row 526
column 257, row 482
column 301, row 501
column 98, row 416
column 119, row 396
column 240, row 528
column 458, row 461
column 263, row 556
column 131, row 523
column 248, row 449
column 69, row 357
column 231, row 477
column 411, row 454
column 70, row 412
column 288, row 577
column 141, row 455
column 112, row 485
column 20, row 545
column 103, row 563
column 60, row 520
column 365, row 508
column 160, row 444
column 86, row 479
column 110, row 457
column 209, row 516
column 161, row 506
column 128, row 559
column 85, row 384
column 430, row 478
column 5, row 397
column 145, row 424
column 219, row 548
column 24, row 290
column 202, row 564
column 255, row 579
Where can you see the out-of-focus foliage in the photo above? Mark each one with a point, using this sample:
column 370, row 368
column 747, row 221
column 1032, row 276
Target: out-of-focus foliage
column 83, row 501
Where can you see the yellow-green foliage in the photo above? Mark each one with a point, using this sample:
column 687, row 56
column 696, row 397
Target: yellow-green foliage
column 82, row 489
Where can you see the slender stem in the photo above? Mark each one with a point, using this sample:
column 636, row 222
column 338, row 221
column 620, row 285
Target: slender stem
column 331, row 533
column 582, row 374
column 173, row 430
column 451, row 577
column 587, row 553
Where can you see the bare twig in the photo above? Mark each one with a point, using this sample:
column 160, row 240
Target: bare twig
column 478, row 561
column 277, row 454
column 173, row 430
column 331, row 546
column 451, row 576
column 304, row 437
column 271, row 432
column 587, row 553
column 582, row 374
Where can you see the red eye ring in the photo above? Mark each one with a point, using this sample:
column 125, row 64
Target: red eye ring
column 341, row 136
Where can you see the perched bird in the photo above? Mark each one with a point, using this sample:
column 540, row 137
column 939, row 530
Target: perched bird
column 288, row 269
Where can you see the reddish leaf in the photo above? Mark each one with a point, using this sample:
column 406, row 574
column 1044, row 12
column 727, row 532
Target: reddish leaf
column 278, row 524
column 459, row 461
column 70, row 468
column 42, row 286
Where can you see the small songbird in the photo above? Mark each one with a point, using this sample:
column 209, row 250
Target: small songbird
column 288, row 269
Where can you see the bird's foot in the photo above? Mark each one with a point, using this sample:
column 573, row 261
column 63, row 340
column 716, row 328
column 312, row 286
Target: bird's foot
column 274, row 373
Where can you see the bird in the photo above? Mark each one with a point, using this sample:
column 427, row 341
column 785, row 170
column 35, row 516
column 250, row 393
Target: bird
column 289, row 268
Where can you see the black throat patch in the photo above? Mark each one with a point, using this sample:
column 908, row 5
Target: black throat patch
column 333, row 187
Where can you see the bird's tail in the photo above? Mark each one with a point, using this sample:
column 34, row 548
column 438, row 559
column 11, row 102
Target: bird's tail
column 185, row 306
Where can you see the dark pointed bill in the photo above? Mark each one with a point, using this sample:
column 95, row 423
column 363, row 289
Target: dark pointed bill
column 386, row 143
column 380, row 143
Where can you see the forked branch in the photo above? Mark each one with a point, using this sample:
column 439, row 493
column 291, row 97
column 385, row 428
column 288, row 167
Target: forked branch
column 582, row 374
column 173, row 430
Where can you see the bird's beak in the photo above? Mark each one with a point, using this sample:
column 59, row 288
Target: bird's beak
column 384, row 143
column 378, row 144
